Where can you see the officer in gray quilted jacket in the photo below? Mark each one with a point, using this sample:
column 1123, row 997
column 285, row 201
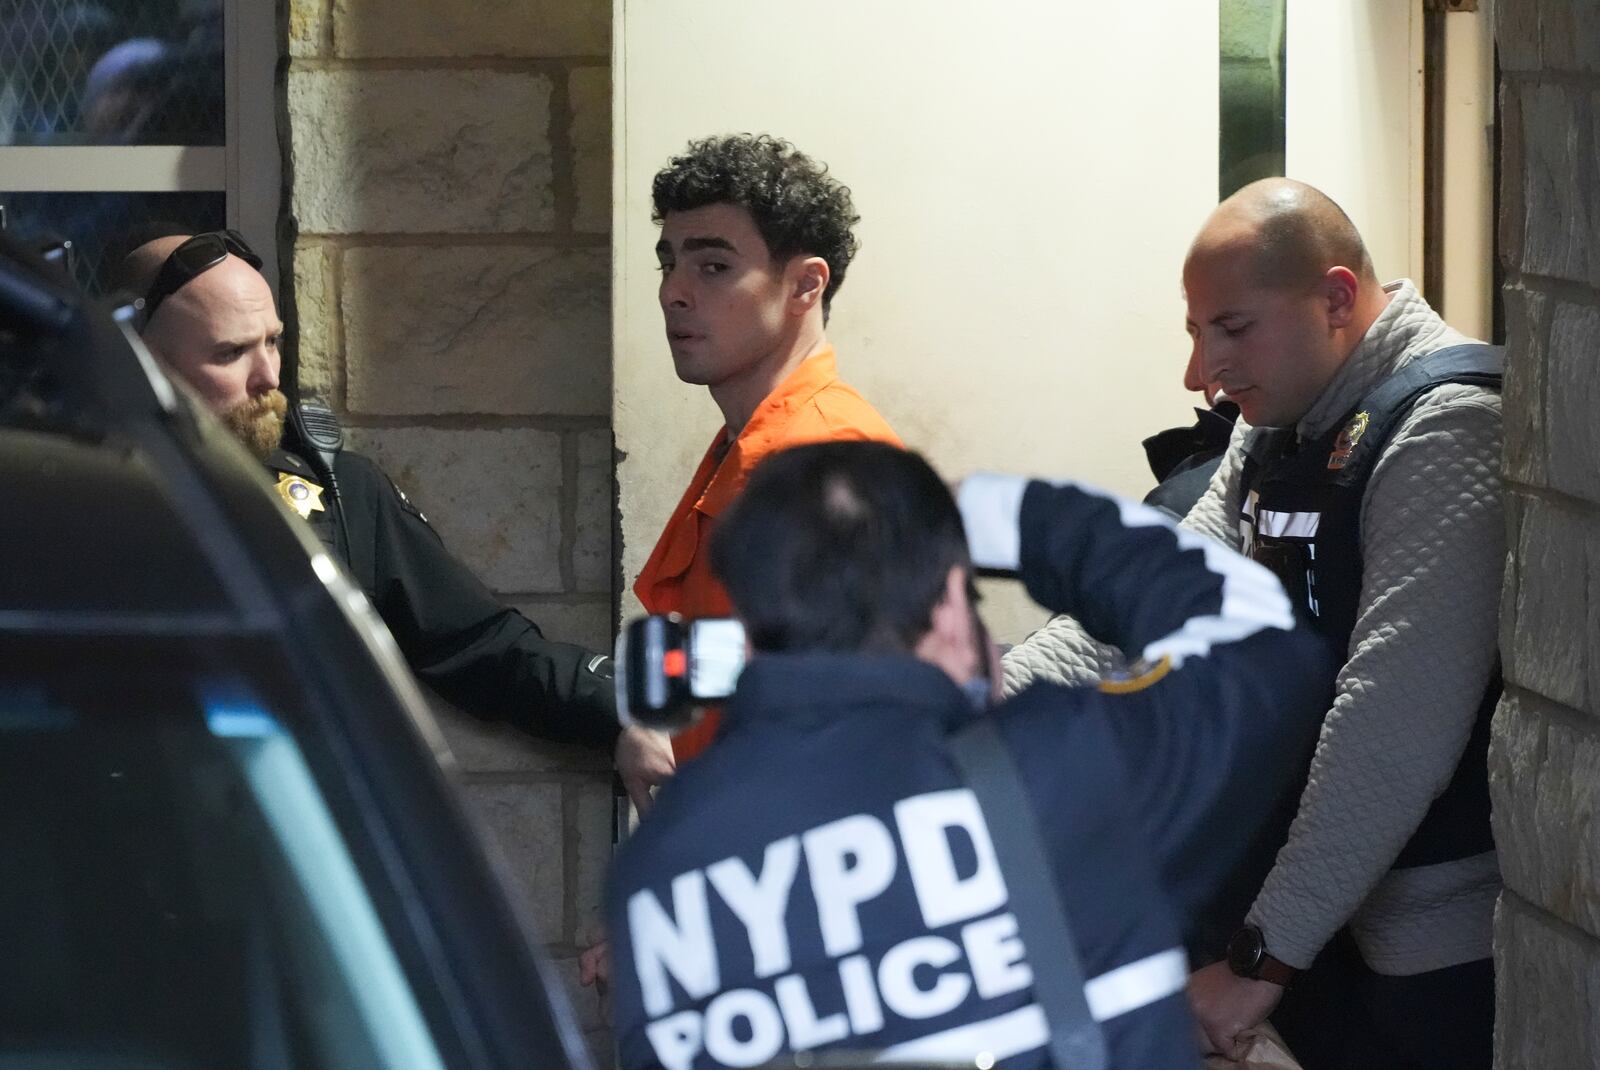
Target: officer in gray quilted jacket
column 1365, row 473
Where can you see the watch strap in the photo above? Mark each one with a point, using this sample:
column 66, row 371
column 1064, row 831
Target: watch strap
column 1248, row 958
column 1275, row 970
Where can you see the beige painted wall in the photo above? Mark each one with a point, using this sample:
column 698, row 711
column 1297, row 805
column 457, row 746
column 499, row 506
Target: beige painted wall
column 1355, row 122
column 1354, row 117
column 1468, row 260
column 1028, row 177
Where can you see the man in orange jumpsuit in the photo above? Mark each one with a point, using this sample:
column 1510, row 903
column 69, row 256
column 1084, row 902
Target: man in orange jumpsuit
column 755, row 240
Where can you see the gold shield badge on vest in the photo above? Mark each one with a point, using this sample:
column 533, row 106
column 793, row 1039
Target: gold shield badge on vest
column 303, row 496
column 1345, row 444
column 1136, row 677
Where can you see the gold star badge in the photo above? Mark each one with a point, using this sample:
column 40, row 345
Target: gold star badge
column 303, row 496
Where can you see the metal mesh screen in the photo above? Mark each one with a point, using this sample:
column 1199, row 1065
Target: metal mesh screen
column 99, row 224
column 111, row 72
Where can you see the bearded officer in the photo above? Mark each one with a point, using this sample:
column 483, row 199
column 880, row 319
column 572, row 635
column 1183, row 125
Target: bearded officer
column 208, row 316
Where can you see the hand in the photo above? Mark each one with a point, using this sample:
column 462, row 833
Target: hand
column 594, row 965
column 1226, row 1005
column 644, row 759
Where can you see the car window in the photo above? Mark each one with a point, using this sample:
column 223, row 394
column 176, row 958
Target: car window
column 175, row 892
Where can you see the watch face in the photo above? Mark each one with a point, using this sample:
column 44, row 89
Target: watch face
column 1245, row 951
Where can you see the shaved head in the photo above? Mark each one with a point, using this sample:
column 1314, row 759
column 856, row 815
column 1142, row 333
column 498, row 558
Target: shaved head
column 138, row 270
column 219, row 333
column 1293, row 233
column 1280, row 290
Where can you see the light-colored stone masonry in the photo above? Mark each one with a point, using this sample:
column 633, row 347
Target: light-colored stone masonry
column 451, row 185
column 1545, row 758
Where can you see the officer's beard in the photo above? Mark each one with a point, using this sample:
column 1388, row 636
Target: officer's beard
column 258, row 422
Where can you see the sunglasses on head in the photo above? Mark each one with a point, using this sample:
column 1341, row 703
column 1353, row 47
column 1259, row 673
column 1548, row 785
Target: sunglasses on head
column 194, row 257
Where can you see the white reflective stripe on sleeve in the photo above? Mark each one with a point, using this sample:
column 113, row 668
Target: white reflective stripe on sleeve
column 1009, row 1034
column 1288, row 525
column 991, row 513
column 1252, row 598
column 1112, row 994
column 1138, row 984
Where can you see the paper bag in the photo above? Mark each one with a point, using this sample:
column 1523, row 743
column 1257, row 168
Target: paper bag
column 1267, row 1051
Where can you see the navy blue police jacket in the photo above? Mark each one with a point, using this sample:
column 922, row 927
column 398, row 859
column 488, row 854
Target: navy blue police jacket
column 821, row 878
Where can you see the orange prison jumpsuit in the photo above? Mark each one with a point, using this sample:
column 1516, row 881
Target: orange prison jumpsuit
column 811, row 405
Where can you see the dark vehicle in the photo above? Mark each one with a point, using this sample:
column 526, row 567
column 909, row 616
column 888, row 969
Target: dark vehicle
column 228, row 836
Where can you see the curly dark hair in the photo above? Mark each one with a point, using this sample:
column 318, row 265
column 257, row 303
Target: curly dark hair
column 797, row 206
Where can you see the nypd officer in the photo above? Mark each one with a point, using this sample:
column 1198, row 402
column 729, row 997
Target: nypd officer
column 208, row 315
column 825, row 877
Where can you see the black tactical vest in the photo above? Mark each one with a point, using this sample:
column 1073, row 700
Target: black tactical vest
column 1301, row 517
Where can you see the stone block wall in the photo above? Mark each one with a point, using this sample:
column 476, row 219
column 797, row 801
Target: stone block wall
column 451, row 184
column 1545, row 759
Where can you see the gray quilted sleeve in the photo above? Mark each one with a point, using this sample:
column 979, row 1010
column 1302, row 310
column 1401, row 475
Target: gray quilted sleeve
column 1433, row 542
column 1063, row 653
column 1059, row 653
column 1216, row 514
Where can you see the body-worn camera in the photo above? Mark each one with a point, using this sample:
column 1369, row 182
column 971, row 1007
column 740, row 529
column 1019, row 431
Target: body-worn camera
column 668, row 669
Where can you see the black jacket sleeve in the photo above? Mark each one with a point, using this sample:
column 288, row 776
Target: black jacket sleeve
column 1217, row 718
column 457, row 637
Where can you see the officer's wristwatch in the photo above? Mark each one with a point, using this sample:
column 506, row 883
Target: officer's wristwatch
column 1247, row 957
